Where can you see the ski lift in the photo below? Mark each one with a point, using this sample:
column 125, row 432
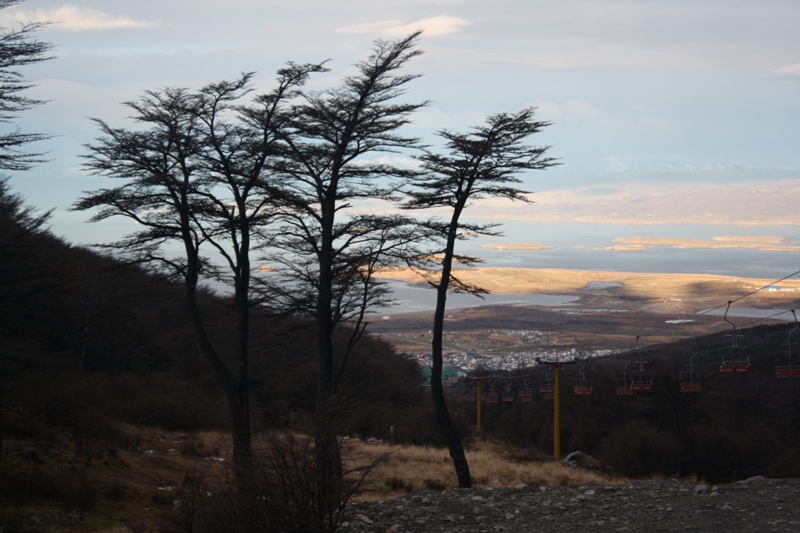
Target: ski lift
column 792, row 370
column 733, row 360
column 508, row 395
column 526, row 393
column 463, row 392
column 492, row 397
column 548, row 388
column 624, row 383
column 581, row 386
column 473, row 393
column 641, row 382
column 690, row 380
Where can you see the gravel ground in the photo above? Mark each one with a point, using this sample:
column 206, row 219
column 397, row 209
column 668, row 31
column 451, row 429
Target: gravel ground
column 756, row 504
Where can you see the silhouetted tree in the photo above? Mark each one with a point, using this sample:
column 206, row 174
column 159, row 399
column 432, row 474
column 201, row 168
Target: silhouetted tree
column 331, row 250
column 482, row 163
column 199, row 174
column 18, row 47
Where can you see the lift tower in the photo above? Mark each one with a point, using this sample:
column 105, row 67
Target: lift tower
column 556, row 366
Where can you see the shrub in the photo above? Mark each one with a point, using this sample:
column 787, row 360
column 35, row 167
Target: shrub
column 639, row 450
column 284, row 499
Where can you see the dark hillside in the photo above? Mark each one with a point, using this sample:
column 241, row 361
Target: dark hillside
column 86, row 342
column 739, row 425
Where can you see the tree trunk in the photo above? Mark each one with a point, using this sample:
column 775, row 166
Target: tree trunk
column 328, row 454
column 236, row 392
column 2, row 421
column 437, row 391
column 242, row 446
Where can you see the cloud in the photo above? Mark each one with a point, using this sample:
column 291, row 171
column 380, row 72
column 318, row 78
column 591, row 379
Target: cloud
column 575, row 109
column 394, row 28
column 581, row 110
column 754, row 203
column 615, row 165
column 790, row 69
column 76, row 18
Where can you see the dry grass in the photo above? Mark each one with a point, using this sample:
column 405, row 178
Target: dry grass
column 84, row 485
column 415, row 468
column 128, row 485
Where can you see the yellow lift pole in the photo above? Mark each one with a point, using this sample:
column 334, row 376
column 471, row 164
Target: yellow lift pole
column 556, row 366
column 556, row 416
column 478, row 404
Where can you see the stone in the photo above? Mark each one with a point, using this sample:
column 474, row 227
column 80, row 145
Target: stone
column 581, row 461
column 636, row 506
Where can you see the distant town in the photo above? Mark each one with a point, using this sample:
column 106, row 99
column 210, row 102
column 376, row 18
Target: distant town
column 484, row 354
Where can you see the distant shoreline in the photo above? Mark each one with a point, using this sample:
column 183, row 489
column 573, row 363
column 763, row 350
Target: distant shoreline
column 679, row 295
column 515, row 280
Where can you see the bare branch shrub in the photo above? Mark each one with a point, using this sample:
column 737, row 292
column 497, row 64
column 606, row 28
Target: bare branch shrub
column 285, row 499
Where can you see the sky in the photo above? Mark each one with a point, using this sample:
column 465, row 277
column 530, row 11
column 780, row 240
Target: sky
column 663, row 111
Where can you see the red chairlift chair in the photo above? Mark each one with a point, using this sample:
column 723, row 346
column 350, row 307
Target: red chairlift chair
column 641, row 382
column 526, row 393
column 547, row 389
column 735, row 362
column 581, row 386
column 690, row 380
column 792, row 370
column 508, row 396
column 624, row 383
column 492, row 397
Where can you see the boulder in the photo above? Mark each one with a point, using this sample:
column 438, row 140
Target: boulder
column 581, row 461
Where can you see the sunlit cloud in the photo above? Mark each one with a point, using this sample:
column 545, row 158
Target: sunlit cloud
column 432, row 26
column 75, row 18
column 743, row 203
column 575, row 109
column 615, row 164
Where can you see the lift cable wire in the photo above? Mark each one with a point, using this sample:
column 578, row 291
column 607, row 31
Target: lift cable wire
column 673, row 327
column 506, row 377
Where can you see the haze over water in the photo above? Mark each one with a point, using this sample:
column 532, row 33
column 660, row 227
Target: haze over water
column 574, row 247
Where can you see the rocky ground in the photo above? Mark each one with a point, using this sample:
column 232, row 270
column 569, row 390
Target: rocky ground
column 756, row 504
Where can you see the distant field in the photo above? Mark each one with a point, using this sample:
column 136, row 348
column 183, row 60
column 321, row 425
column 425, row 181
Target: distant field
column 762, row 243
column 612, row 307
column 647, row 285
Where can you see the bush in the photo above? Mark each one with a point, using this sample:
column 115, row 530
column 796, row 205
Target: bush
column 33, row 486
column 639, row 450
column 285, row 496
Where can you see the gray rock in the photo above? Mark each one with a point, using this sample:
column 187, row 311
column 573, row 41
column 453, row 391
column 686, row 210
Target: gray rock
column 658, row 506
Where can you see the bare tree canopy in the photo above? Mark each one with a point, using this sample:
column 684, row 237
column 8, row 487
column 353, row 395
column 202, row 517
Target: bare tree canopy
column 485, row 162
column 18, row 47
column 330, row 249
column 199, row 174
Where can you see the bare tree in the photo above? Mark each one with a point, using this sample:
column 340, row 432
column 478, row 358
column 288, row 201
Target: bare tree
column 482, row 163
column 18, row 47
column 199, row 174
column 330, row 249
